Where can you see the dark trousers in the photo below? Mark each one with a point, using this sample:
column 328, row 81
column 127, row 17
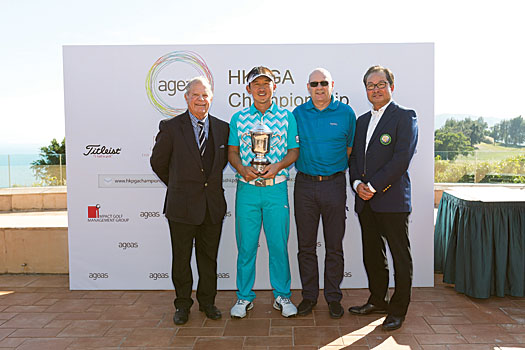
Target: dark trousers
column 312, row 200
column 206, row 237
column 376, row 229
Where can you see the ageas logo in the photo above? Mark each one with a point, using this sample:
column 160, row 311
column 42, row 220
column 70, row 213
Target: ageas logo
column 97, row 275
column 167, row 79
column 128, row 245
column 158, row 275
column 149, row 214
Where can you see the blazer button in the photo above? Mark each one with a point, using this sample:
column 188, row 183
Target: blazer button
column 205, row 184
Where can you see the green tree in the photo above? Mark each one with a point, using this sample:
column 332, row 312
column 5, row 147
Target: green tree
column 516, row 131
column 50, row 168
column 478, row 131
column 474, row 129
column 449, row 145
column 502, row 132
column 495, row 132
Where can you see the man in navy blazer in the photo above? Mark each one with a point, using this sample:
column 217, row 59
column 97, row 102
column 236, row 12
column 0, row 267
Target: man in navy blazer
column 189, row 156
column 384, row 144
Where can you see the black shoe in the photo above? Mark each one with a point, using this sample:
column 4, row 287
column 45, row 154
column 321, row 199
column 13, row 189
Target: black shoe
column 211, row 311
column 336, row 310
column 366, row 309
column 181, row 316
column 305, row 307
column 393, row 322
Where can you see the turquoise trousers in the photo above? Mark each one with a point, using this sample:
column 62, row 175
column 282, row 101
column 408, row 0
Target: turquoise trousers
column 267, row 206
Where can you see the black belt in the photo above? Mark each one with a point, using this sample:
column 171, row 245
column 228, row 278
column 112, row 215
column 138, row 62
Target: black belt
column 319, row 178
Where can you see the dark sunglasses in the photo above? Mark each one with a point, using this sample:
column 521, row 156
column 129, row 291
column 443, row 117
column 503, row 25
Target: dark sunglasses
column 315, row 83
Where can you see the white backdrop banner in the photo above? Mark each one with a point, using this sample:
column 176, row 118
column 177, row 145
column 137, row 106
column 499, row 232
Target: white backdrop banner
column 115, row 97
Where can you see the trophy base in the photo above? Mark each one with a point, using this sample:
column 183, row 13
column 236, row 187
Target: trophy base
column 259, row 166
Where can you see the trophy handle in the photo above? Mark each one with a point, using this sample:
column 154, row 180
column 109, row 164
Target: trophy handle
column 280, row 138
column 242, row 138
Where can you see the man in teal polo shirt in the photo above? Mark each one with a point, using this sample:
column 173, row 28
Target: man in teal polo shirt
column 262, row 197
column 326, row 127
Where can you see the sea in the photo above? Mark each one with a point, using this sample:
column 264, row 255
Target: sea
column 15, row 170
column 15, row 165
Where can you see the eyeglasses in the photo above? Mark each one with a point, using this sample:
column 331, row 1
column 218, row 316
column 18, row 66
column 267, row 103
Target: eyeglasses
column 380, row 85
column 315, row 83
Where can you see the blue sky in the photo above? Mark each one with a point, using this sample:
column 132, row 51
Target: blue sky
column 479, row 46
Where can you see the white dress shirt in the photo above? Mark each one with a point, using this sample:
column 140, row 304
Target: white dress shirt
column 372, row 124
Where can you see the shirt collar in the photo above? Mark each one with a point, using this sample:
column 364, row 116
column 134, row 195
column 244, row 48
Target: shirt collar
column 381, row 110
column 272, row 109
column 334, row 103
column 194, row 119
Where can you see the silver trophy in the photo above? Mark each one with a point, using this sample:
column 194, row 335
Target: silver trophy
column 260, row 136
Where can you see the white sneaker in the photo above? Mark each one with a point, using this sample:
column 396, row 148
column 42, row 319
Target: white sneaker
column 286, row 306
column 239, row 309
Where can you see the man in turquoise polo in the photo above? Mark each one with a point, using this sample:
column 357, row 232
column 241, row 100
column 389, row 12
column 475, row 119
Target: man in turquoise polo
column 326, row 128
column 262, row 196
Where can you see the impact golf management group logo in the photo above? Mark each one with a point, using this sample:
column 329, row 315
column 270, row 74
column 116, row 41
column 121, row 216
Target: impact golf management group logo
column 94, row 215
column 162, row 89
column 93, row 211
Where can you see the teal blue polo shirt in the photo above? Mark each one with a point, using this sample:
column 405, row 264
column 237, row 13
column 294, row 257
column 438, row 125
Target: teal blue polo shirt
column 279, row 120
column 324, row 137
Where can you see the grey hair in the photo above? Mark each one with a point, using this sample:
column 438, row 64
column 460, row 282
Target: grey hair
column 325, row 72
column 200, row 79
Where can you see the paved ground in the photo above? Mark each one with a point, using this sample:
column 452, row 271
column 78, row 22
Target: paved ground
column 40, row 312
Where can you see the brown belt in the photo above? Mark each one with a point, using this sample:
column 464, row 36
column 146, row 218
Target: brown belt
column 319, row 178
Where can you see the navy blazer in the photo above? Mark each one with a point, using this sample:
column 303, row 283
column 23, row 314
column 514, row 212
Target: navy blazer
column 177, row 162
column 385, row 164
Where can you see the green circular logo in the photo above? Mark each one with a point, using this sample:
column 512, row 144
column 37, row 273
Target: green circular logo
column 385, row 139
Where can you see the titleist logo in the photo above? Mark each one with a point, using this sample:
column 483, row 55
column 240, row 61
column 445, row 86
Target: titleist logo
column 97, row 149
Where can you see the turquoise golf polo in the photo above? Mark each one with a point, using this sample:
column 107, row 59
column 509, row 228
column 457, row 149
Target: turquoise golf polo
column 279, row 120
column 324, row 136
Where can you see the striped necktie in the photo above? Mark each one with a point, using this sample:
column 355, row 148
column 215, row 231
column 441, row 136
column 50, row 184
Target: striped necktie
column 202, row 138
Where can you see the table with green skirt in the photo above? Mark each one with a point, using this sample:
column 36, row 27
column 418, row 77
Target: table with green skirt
column 479, row 240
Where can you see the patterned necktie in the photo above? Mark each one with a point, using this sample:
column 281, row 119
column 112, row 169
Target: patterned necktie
column 202, row 138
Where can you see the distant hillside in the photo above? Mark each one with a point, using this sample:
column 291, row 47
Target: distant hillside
column 440, row 119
